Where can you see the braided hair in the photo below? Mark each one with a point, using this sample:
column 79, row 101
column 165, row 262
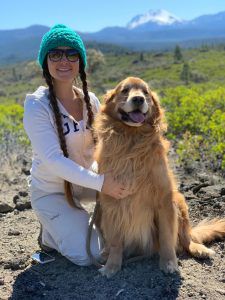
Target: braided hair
column 86, row 95
column 53, row 102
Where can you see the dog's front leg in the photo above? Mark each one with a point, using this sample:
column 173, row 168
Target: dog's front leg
column 114, row 261
column 168, row 233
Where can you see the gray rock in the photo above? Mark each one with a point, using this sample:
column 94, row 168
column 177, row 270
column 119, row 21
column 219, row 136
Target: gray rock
column 222, row 192
column 21, row 200
column 211, row 191
column 14, row 181
column 222, row 292
column 217, row 205
column 5, row 207
column 189, row 195
column 26, row 171
column 23, row 204
column 23, row 193
column 16, row 198
column 13, row 232
column 17, row 264
column 211, row 179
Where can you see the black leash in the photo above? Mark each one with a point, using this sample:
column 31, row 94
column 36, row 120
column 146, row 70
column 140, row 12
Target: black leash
column 88, row 240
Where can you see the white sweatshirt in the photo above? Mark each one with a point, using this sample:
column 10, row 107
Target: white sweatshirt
column 49, row 166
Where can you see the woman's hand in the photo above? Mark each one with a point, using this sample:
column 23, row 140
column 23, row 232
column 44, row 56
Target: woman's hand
column 114, row 188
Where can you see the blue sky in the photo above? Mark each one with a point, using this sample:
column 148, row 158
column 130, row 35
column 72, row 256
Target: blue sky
column 93, row 15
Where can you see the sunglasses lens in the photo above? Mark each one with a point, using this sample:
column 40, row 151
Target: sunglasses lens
column 72, row 55
column 55, row 55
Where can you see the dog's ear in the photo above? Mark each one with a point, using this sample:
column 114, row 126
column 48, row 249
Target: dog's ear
column 109, row 96
column 157, row 110
column 157, row 118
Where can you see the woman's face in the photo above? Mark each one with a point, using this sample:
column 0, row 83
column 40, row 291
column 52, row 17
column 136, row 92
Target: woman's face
column 63, row 70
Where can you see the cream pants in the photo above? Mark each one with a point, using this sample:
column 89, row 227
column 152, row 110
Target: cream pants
column 64, row 227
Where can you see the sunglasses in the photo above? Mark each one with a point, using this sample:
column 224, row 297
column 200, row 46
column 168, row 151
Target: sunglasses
column 57, row 54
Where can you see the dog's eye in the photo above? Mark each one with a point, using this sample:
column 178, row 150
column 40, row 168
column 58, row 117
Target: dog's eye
column 145, row 92
column 125, row 91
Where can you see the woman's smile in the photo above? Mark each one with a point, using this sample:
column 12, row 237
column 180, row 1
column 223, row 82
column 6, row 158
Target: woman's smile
column 64, row 69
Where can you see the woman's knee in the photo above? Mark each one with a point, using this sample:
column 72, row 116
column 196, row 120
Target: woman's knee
column 76, row 252
column 80, row 260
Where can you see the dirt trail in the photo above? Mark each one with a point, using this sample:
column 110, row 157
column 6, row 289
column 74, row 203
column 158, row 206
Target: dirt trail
column 20, row 279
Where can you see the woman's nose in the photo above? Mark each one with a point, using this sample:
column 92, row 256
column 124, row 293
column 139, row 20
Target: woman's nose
column 64, row 58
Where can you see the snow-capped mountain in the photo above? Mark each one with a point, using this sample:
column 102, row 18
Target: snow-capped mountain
column 155, row 30
column 152, row 18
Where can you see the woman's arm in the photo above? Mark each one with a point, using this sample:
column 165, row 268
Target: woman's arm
column 45, row 142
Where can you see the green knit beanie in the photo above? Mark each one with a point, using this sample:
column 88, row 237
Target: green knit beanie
column 59, row 36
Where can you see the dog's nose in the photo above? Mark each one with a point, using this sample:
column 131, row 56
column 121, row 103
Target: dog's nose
column 138, row 100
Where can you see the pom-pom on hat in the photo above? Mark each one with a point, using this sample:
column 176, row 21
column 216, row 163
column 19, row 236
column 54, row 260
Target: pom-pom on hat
column 59, row 36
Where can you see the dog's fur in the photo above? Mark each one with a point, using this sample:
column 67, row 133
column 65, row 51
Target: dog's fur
column 155, row 217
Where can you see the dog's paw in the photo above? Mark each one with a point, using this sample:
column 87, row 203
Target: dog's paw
column 169, row 266
column 102, row 260
column 104, row 256
column 109, row 270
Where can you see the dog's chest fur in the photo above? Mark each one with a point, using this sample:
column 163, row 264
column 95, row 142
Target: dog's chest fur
column 133, row 221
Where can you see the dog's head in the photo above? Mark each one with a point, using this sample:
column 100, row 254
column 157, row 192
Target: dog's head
column 133, row 103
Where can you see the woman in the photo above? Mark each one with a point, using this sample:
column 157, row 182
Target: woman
column 58, row 122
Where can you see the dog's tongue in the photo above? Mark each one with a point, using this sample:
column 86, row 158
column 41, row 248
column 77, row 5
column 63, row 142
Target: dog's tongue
column 136, row 116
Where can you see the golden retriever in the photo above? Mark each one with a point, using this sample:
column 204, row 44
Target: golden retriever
column 154, row 219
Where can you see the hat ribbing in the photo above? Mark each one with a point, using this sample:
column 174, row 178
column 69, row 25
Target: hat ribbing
column 59, row 36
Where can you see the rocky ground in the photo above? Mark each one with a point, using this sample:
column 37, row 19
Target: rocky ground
column 21, row 279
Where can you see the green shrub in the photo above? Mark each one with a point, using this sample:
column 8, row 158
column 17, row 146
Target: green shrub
column 197, row 117
column 11, row 123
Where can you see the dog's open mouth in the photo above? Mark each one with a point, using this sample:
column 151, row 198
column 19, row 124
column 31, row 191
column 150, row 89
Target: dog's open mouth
column 135, row 116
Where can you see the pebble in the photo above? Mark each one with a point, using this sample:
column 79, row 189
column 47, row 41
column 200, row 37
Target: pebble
column 16, row 264
column 26, row 171
column 15, row 199
column 222, row 292
column 217, row 205
column 2, row 281
column 42, row 283
column 13, row 232
column 14, row 181
column 222, row 192
column 5, row 207
column 23, row 193
column 24, row 161
column 22, row 205
column 21, row 251
column 201, row 207
column 203, row 296
column 119, row 292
